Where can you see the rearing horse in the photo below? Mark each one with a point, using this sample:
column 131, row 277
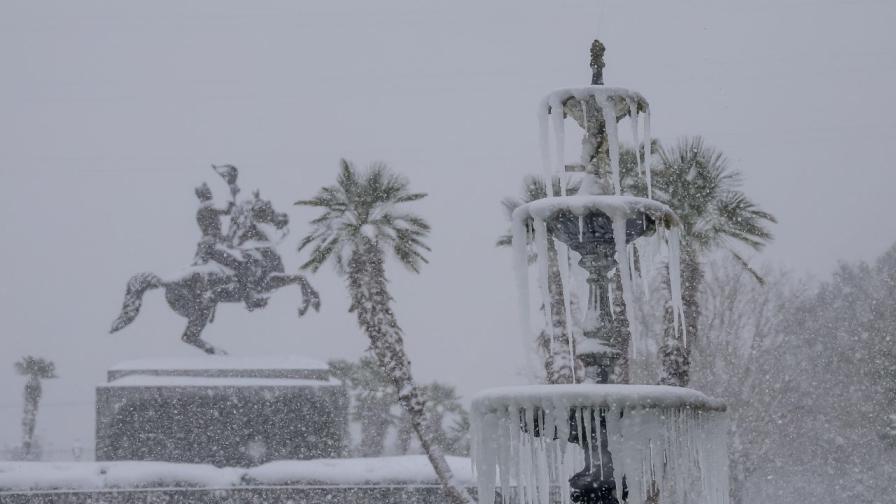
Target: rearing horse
column 196, row 292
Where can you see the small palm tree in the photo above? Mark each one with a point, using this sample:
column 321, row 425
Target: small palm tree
column 442, row 405
column 34, row 369
column 372, row 398
column 697, row 183
column 558, row 364
column 361, row 222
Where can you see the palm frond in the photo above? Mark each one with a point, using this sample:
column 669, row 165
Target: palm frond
column 746, row 266
column 365, row 206
column 697, row 183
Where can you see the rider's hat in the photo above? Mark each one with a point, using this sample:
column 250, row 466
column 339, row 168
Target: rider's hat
column 203, row 192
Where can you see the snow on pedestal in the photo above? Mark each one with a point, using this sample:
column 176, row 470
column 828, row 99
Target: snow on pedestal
column 669, row 440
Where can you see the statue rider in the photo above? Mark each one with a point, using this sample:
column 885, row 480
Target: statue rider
column 213, row 245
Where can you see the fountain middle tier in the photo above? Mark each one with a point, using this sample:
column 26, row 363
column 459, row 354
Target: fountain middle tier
column 602, row 229
column 594, row 216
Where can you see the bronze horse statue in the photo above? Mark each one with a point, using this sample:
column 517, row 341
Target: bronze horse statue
column 242, row 266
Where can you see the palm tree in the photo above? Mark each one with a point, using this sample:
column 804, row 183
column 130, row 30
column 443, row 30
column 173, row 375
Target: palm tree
column 35, row 369
column 696, row 182
column 361, row 222
column 558, row 364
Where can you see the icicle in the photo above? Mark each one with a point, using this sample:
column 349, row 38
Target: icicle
column 616, row 445
column 624, row 270
column 541, row 250
column 633, row 275
column 559, row 144
column 504, row 453
column 673, row 242
column 583, row 100
column 609, row 109
column 521, row 272
column 633, row 121
column 648, row 141
column 644, row 246
column 600, row 452
column 566, row 281
column 586, row 420
column 541, row 460
column 513, row 419
column 487, row 455
column 581, row 285
column 544, row 111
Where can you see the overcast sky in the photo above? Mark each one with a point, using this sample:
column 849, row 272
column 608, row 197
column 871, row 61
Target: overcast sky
column 111, row 112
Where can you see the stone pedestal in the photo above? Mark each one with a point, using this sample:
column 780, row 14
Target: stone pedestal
column 226, row 411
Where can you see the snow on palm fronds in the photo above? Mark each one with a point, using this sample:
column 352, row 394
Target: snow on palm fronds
column 365, row 206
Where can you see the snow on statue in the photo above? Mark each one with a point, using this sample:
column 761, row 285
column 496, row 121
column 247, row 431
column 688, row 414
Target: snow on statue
column 241, row 265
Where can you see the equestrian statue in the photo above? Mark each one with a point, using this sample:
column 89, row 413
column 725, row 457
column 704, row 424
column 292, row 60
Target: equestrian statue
column 240, row 265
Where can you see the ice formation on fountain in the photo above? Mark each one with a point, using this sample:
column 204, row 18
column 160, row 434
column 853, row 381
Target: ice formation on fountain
column 600, row 109
column 668, row 443
column 637, row 443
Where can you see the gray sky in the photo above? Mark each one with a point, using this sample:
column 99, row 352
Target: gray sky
column 111, row 112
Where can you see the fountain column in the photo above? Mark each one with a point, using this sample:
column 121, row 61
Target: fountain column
column 597, row 352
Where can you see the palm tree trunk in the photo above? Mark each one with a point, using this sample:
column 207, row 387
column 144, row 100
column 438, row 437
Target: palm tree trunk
column 691, row 281
column 370, row 302
column 33, row 391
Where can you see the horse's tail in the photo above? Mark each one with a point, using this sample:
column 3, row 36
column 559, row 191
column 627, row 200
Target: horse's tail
column 133, row 298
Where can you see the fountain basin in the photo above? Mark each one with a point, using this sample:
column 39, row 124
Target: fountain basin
column 586, row 395
column 635, row 442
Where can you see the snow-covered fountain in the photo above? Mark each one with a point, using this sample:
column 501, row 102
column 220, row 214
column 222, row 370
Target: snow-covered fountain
column 602, row 440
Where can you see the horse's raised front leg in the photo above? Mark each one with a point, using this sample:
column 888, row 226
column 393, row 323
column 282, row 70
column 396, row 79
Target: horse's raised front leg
column 193, row 332
column 310, row 297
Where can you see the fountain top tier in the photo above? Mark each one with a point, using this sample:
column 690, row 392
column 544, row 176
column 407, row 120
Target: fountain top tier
column 597, row 110
column 622, row 99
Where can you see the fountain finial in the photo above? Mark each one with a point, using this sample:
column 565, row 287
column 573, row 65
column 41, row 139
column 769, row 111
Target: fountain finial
column 597, row 63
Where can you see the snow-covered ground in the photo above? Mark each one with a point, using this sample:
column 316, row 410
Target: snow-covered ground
column 407, row 469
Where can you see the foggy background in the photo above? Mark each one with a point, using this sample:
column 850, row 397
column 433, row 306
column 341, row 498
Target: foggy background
column 110, row 114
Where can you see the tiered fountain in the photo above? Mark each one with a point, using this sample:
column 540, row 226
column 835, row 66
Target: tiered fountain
column 637, row 443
